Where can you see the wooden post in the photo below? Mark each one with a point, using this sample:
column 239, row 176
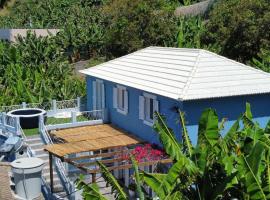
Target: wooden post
column 147, row 169
column 116, row 172
column 51, row 171
column 93, row 177
column 126, row 177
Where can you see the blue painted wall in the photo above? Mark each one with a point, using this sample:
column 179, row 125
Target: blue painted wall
column 131, row 121
column 229, row 108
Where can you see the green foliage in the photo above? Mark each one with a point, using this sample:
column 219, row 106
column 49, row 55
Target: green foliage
column 137, row 178
column 190, row 32
column 89, row 191
column 235, row 165
column 240, row 27
column 109, row 178
column 35, row 70
column 171, row 145
column 132, row 25
column 263, row 60
column 80, row 21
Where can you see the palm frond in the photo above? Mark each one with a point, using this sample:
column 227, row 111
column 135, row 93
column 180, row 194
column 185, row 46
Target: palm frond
column 167, row 138
column 137, row 178
column 187, row 146
column 110, row 179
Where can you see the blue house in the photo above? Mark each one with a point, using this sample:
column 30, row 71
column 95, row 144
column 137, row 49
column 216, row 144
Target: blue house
column 162, row 79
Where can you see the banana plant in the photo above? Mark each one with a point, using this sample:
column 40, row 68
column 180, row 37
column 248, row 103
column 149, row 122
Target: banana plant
column 233, row 166
column 90, row 191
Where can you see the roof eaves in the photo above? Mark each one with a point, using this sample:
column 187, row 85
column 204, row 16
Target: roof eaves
column 85, row 71
column 235, row 62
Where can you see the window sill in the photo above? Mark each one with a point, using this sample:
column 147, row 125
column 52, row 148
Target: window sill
column 121, row 111
column 148, row 123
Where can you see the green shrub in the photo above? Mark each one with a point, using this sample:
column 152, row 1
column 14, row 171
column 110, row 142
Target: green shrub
column 36, row 70
column 131, row 25
column 240, row 27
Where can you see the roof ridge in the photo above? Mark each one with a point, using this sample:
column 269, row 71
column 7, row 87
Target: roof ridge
column 175, row 48
column 192, row 73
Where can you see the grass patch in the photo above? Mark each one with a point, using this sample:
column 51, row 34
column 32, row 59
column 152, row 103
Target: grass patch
column 30, row 132
column 53, row 120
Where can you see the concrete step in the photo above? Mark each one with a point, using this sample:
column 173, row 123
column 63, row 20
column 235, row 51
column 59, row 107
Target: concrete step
column 47, row 174
column 39, row 151
column 58, row 188
column 33, row 138
column 46, row 170
column 44, row 155
column 37, row 145
column 62, row 195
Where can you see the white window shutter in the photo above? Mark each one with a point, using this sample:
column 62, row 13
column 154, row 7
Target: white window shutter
column 141, row 107
column 126, row 101
column 94, row 95
column 156, row 106
column 103, row 95
column 115, row 97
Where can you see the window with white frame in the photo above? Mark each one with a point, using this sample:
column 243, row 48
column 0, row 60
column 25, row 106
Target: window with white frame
column 120, row 99
column 147, row 107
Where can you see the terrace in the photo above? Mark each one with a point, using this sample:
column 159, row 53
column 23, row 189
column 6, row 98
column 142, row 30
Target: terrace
column 82, row 147
column 75, row 140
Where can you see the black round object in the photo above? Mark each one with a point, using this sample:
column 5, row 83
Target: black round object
column 29, row 117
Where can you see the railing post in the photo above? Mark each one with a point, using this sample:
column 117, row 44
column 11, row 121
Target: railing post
column 40, row 122
column 4, row 118
column 54, row 106
column 78, row 103
column 17, row 126
column 23, row 104
column 104, row 115
column 74, row 117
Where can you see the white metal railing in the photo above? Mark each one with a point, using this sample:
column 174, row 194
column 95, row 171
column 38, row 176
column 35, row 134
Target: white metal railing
column 43, row 105
column 75, row 119
column 31, row 153
column 9, row 124
column 72, row 103
column 9, row 108
column 52, row 106
column 68, row 185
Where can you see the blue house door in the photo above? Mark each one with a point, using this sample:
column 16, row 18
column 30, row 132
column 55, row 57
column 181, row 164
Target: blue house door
column 98, row 95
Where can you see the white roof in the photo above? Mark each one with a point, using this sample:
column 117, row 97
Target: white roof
column 183, row 74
